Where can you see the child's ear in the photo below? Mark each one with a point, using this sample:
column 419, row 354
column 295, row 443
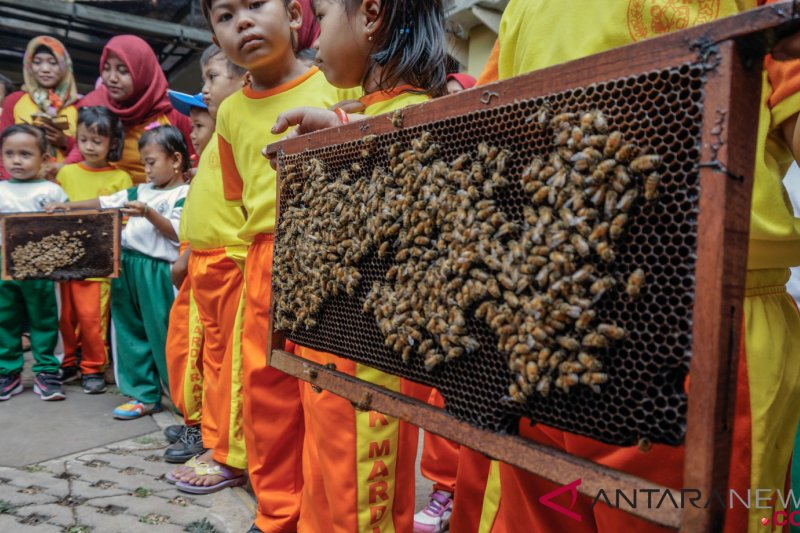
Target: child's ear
column 177, row 161
column 370, row 10
column 296, row 15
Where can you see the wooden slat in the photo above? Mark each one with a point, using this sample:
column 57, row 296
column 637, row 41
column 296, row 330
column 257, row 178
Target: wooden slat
column 726, row 178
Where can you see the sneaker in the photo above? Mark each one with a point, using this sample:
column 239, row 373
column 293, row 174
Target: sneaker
column 189, row 445
column 9, row 386
column 93, row 384
column 135, row 409
column 435, row 518
column 68, row 374
column 48, row 387
column 173, row 433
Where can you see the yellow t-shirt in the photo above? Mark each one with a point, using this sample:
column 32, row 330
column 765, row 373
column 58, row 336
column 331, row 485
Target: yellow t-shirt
column 81, row 182
column 208, row 221
column 26, row 107
column 774, row 231
column 244, row 121
column 385, row 102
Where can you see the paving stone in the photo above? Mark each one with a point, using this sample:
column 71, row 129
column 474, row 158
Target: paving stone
column 124, row 481
column 121, row 462
column 197, row 500
column 12, row 495
column 139, row 506
column 150, row 441
column 60, row 515
column 11, row 524
column 94, row 490
column 122, row 523
column 49, row 480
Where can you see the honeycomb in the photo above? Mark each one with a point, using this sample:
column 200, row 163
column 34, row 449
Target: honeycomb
column 661, row 112
column 91, row 236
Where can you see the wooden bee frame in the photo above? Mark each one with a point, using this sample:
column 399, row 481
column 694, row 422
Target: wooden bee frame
column 729, row 54
column 101, row 241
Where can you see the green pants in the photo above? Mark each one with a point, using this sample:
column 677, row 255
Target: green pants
column 140, row 302
column 36, row 300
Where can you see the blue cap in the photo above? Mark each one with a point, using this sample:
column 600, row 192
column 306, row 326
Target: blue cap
column 183, row 103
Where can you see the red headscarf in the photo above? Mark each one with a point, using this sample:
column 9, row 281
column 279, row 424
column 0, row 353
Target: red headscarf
column 309, row 31
column 149, row 97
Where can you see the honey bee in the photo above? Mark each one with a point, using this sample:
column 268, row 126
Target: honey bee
column 532, row 371
column 618, row 226
column 611, row 203
column 594, row 340
column 611, row 331
column 397, row 119
column 543, row 387
column 605, row 252
column 603, row 284
column 589, row 361
column 651, row 186
column 612, row 144
column 596, row 141
column 599, row 233
column 621, row 179
column 598, row 195
column 541, row 195
column 566, row 381
column 568, row 343
column 635, row 283
column 626, row 153
column 627, row 200
column 516, row 394
column 580, row 244
column 645, row 163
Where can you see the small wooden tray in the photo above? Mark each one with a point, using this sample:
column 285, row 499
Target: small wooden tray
column 61, row 246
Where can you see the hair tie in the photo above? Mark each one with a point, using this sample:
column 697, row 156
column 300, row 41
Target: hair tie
column 153, row 125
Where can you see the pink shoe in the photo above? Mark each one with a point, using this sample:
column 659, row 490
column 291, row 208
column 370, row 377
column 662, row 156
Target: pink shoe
column 435, row 518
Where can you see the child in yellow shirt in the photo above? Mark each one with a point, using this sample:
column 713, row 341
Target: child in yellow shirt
column 85, row 303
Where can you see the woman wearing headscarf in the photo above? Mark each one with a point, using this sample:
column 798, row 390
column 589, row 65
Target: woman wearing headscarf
column 49, row 90
column 135, row 89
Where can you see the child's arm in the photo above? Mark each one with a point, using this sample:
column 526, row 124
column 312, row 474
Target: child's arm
column 94, row 203
column 162, row 224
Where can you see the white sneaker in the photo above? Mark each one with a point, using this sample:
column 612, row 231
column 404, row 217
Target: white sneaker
column 435, row 518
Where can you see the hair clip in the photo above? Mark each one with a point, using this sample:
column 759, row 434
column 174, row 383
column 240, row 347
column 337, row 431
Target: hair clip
column 153, row 125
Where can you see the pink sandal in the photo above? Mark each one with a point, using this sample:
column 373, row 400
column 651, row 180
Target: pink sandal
column 229, row 480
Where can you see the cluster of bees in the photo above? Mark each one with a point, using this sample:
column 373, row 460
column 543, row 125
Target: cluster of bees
column 457, row 257
column 41, row 258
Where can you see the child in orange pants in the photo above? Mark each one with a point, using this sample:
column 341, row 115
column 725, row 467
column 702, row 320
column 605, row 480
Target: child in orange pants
column 765, row 413
column 85, row 303
column 273, row 417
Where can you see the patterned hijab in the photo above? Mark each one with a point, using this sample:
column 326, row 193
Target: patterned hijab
column 62, row 95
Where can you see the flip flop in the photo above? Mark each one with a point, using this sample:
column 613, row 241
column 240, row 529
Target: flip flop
column 191, row 463
column 229, row 480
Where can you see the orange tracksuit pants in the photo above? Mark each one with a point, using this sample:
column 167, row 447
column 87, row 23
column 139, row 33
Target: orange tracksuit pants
column 217, row 281
column 439, row 461
column 84, row 323
column 185, row 356
column 764, row 424
column 273, row 414
column 358, row 466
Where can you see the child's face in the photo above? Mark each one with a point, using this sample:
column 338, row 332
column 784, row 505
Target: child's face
column 254, row 34
column 93, row 146
column 342, row 50
column 117, row 78
column 218, row 83
column 161, row 168
column 202, row 129
column 22, row 157
column 46, row 70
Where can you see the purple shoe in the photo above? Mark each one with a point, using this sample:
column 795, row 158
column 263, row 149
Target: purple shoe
column 9, row 386
column 435, row 518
